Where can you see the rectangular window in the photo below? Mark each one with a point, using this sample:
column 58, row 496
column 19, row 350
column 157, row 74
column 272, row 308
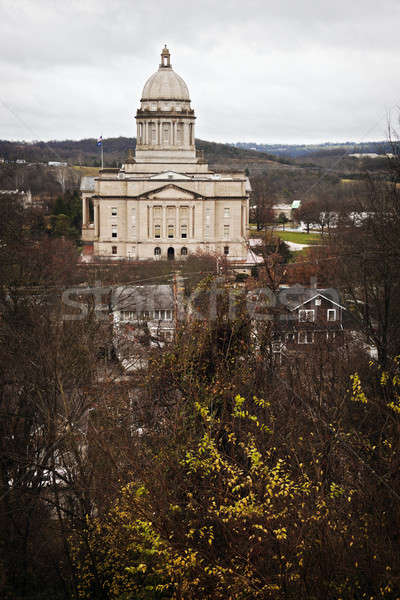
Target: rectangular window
column 166, row 130
column 114, row 233
column 157, row 212
column 171, row 232
column 207, row 231
column 306, row 337
column 133, row 217
column 331, row 314
column 306, row 316
column 208, row 215
column 184, row 231
column 226, row 250
column 179, row 134
column 157, row 231
column 226, row 232
column 113, row 249
column 114, row 211
column 153, row 130
column 227, row 212
column 290, row 338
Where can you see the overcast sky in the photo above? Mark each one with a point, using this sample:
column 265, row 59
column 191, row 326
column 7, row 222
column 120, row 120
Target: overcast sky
column 257, row 70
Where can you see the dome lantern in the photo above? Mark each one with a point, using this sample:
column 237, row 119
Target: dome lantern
column 165, row 57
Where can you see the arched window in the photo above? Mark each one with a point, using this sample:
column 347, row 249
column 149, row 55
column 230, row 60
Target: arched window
column 157, row 251
column 184, row 251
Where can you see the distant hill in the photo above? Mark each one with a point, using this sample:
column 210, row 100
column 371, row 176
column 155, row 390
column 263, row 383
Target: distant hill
column 303, row 150
column 85, row 152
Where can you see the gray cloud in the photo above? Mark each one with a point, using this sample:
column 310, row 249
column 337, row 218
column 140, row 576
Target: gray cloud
column 257, row 71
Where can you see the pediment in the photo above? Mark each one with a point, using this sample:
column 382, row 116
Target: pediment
column 171, row 192
column 170, row 175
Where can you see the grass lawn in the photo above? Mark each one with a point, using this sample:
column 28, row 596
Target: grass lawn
column 299, row 237
column 87, row 171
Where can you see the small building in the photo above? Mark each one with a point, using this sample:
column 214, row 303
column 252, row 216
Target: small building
column 22, row 197
column 286, row 209
column 310, row 316
column 144, row 317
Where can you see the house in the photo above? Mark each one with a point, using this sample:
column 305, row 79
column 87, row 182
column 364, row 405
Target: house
column 24, row 198
column 286, row 209
column 144, row 317
column 309, row 317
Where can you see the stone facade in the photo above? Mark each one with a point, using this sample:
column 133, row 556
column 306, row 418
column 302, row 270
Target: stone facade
column 165, row 202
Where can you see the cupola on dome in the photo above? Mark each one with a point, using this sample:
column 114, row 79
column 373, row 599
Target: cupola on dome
column 165, row 84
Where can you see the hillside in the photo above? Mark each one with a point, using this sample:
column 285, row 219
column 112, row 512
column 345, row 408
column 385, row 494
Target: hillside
column 85, row 152
column 309, row 150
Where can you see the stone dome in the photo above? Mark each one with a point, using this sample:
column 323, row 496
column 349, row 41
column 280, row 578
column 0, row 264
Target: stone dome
column 165, row 84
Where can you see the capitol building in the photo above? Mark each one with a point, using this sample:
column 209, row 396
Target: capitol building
column 164, row 202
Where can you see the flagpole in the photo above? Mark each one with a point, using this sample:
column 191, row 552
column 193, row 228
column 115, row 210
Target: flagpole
column 102, row 156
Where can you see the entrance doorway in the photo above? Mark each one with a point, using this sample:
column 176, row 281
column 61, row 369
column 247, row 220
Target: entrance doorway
column 171, row 253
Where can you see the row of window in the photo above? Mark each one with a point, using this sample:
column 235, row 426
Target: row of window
column 183, row 210
column 157, row 251
column 308, row 315
column 306, row 337
column 171, row 231
column 158, row 314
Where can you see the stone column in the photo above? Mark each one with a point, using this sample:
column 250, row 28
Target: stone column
column 84, row 211
column 97, row 219
column 151, row 222
column 190, row 232
column 177, row 232
column 126, row 223
column 164, row 222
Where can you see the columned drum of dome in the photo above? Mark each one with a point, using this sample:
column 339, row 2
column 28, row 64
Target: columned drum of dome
column 164, row 202
column 165, row 119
